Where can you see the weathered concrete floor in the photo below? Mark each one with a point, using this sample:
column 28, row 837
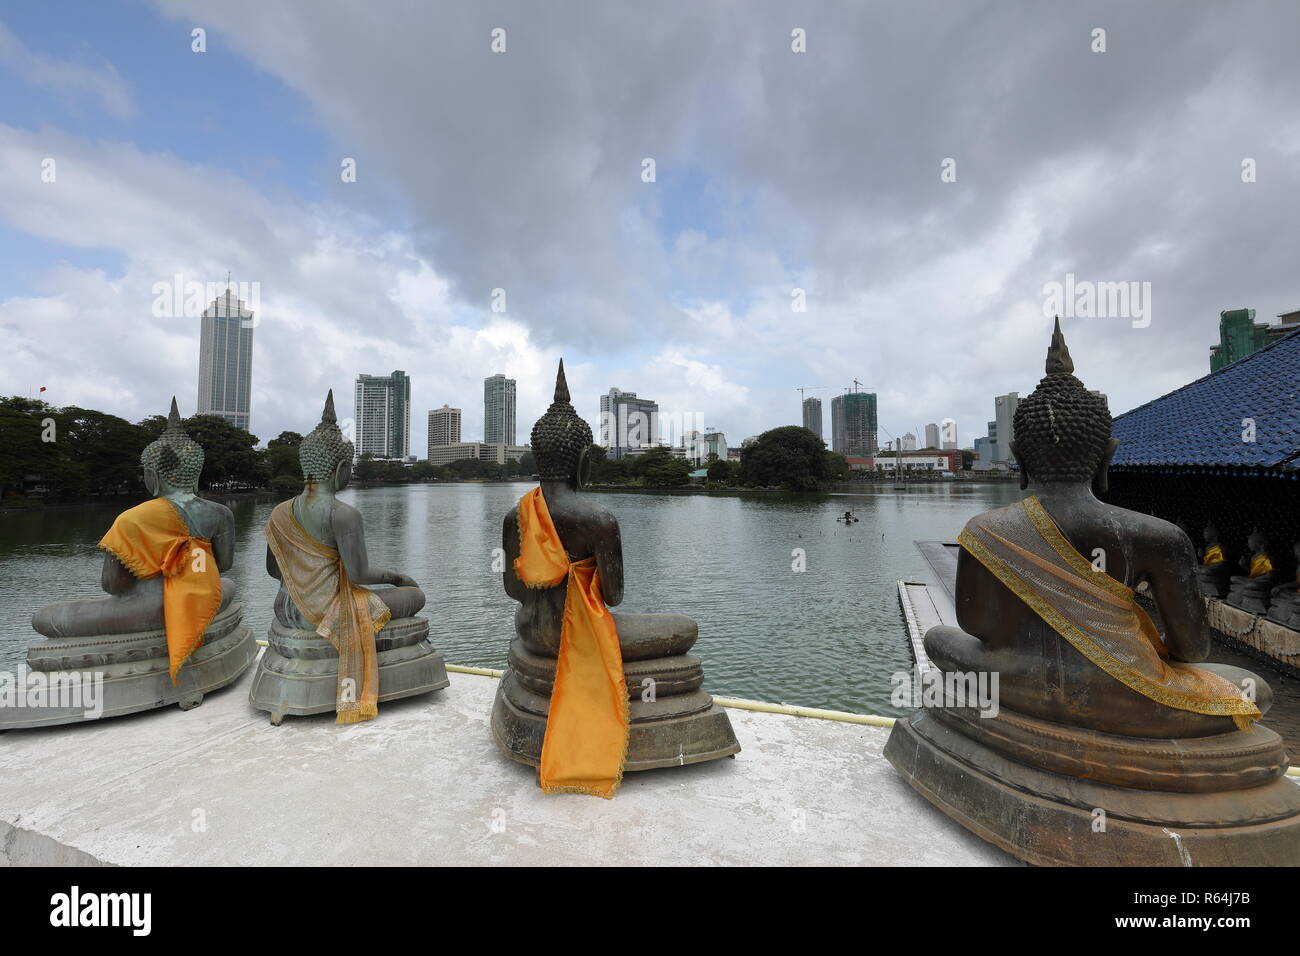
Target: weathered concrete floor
column 424, row 784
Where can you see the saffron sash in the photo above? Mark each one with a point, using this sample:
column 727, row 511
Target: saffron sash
column 1096, row 614
column 345, row 614
column 152, row 539
column 587, row 725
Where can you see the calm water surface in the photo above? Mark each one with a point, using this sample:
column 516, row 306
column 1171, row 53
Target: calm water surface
column 828, row 637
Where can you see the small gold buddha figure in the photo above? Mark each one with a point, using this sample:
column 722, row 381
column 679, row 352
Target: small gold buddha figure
column 1213, row 570
column 1284, row 606
column 1251, row 591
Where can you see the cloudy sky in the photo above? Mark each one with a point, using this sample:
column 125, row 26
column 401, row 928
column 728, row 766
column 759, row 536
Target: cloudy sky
column 922, row 171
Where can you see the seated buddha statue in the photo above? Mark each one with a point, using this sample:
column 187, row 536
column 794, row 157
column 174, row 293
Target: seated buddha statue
column 170, row 628
column 345, row 635
column 1096, row 708
column 1284, row 606
column 1251, row 591
column 1213, row 569
column 574, row 664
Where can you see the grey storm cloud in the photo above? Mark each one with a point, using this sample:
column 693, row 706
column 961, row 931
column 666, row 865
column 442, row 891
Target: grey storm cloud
column 821, row 170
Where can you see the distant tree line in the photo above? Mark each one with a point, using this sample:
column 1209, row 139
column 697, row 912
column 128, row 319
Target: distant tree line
column 71, row 453
column 789, row 457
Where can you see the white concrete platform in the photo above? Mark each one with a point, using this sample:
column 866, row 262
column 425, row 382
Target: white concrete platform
column 424, row 784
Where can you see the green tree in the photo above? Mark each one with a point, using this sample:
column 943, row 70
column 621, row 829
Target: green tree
column 230, row 459
column 660, row 468
column 837, row 466
column 718, row 470
column 789, row 457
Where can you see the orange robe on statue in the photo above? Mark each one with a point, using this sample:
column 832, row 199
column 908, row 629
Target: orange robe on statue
column 587, row 725
column 153, row 539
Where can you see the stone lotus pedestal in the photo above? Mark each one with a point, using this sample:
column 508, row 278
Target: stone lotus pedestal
column 1251, row 594
column 1038, row 790
column 681, row 725
column 1285, row 610
column 134, row 671
column 298, row 674
column 1213, row 579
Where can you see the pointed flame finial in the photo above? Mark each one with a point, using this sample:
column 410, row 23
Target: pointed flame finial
column 174, row 416
column 328, row 416
column 561, row 385
column 1058, row 354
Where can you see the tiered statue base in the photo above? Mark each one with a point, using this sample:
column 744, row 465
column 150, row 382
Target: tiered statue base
column 134, row 671
column 681, row 725
column 298, row 674
column 1060, row 796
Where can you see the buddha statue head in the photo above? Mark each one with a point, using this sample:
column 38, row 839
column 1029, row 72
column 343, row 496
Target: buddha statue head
column 561, row 440
column 325, row 455
column 1062, row 430
column 173, row 462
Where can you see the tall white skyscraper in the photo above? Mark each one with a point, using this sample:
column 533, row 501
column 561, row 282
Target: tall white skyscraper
column 498, row 410
column 444, row 426
column 226, row 360
column 383, row 410
column 932, row 436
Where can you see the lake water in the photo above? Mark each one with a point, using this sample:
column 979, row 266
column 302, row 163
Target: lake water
column 830, row 636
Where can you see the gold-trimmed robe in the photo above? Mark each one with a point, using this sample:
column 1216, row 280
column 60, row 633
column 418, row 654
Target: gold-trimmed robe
column 152, row 539
column 1022, row 546
column 345, row 614
column 587, row 725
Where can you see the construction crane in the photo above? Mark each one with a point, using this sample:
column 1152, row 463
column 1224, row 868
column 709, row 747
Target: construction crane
column 806, row 388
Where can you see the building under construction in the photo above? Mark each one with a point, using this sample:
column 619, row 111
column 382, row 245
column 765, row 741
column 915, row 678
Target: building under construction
column 853, row 424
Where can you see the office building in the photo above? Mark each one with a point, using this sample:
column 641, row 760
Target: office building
column 499, row 410
column 627, row 423
column 383, row 415
column 226, row 360
column 444, row 426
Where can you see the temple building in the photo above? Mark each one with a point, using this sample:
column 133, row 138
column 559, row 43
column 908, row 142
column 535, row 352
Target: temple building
column 226, row 360
column 1221, row 458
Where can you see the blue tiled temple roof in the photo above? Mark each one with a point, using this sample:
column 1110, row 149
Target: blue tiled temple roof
column 1199, row 426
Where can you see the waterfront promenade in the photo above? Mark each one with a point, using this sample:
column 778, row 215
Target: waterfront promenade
column 424, row 784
